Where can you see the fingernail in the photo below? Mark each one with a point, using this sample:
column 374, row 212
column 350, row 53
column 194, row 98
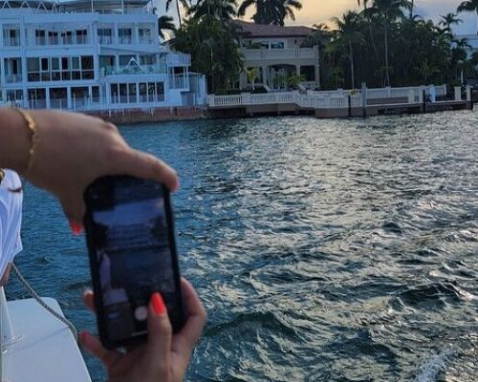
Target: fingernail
column 83, row 336
column 75, row 228
column 158, row 304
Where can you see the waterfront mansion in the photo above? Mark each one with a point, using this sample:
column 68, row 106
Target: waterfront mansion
column 90, row 55
column 277, row 53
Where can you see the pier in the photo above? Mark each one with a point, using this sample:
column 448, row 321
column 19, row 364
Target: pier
column 341, row 103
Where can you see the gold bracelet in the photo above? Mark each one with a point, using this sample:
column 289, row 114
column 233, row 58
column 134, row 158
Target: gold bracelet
column 32, row 126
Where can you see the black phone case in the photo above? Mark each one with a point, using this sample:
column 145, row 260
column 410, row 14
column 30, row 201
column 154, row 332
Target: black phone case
column 178, row 322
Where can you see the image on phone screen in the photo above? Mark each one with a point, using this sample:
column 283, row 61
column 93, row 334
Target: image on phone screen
column 134, row 260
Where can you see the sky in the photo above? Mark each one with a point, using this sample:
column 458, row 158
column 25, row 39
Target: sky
column 321, row 11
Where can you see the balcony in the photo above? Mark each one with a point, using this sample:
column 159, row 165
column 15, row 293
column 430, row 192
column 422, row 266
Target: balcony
column 61, row 40
column 105, row 40
column 178, row 59
column 280, row 54
column 179, row 82
column 134, row 69
column 11, row 41
column 13, row 78
column 125, row 40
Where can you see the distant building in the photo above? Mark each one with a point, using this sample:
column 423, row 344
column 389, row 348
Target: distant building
column 276, row 53
column 90, row 55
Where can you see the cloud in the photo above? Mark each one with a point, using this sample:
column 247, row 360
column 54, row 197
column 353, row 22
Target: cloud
column 321, row 11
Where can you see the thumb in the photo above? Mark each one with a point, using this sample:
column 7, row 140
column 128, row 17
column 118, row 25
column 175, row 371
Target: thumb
column 160, row 332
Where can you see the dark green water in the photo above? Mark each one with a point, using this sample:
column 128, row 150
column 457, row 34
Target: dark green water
column 342, row 250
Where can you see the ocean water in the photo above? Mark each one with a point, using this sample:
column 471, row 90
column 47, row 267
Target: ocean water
column 337, row 250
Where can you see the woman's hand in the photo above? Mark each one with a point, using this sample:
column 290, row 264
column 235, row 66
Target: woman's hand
column 75, row 149
column 164, row 357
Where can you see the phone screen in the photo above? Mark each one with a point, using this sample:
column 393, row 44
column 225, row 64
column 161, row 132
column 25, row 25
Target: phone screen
column 134, row 254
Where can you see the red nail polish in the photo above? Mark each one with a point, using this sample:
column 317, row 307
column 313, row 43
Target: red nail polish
column 158, row 303
column 75, row 227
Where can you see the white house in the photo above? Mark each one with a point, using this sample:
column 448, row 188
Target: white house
column 276, row 53
column 94, row 55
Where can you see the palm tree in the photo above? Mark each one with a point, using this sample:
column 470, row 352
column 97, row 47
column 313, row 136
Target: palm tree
column 448, row 20
column 184, row 3
column 349, row 33
column 389, row 10
column 219, row 9
column 369, row 20
column 213, row 47
column 165, row 23
column 270, row 11
column 468, row 6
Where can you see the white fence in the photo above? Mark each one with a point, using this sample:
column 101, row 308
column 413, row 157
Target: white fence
column 336, row 99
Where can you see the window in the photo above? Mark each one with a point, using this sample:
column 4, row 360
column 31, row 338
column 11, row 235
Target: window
column 81, row 36
column 125, row 35
column 53, row 38
column 44, row 64
column 114, row 93
column 143, row 97
column 40, row 37
column 124, row 60
column 144, row 35
column 123, row 92
column 277, row 45
column 33, row 69
column 67, row 38
column 86, row 62
column 14, row 95
column 132, row 93
column 149, row 59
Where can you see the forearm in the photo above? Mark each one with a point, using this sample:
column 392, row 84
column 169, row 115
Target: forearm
column 15, row 140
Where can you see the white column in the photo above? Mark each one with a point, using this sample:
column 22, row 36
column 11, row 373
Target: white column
column 457, row 93
column 2, row 77
column 68, row 98
column 265, row 75
column 47, row 97
column 468, row 93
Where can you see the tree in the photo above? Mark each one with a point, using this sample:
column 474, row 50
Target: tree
column 349, row 34
column 165, row 23
column 270, row 11
column 448, row 20
column 219, row 9
column 214, row 51
column 184, row 3
column 389, row 11
column 468, row 6
column 252, row 74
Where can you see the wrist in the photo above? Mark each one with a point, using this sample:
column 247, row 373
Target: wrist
column 15, row 138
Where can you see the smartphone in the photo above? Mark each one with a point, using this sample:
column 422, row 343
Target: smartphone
column 132, row 250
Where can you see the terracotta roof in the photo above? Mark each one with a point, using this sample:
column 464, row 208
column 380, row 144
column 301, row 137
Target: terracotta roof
column 259, row 30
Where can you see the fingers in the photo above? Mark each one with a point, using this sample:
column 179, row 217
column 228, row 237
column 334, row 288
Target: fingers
column 143, row 165
column 159, row 330
column 94, row 346
column 186, row 339
column 88, row 299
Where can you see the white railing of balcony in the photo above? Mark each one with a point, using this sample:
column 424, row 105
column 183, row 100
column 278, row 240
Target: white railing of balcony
column 125, row 40
column 178, row 82
column 53, row 41
column 105, row 40
column 142, row 69
column 178, row 59
column 145, row 40
column 264, row 54
column 11, row 41
column 13, row 78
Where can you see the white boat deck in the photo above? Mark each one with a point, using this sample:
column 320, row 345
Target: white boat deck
column 43, row 348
